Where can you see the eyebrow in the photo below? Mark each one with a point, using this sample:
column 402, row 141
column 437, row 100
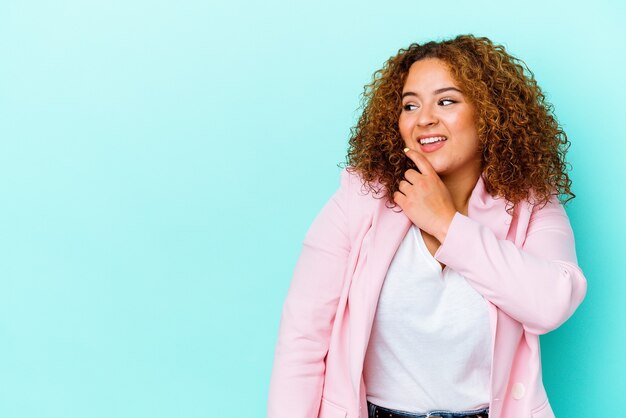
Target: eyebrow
column 438, row 91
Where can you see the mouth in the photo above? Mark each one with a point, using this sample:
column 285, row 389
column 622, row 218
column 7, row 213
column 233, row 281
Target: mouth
column 432, row 140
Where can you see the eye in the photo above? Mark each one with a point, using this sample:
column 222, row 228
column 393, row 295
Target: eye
column 446, row 102
column 408, row 107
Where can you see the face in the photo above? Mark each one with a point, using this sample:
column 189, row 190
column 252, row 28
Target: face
column 438, row 122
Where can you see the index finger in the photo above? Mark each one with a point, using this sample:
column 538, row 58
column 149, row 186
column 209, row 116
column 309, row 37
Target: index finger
column 420, row 161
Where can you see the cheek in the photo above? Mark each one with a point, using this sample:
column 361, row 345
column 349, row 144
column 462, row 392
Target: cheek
column 464, row 126
column 466, row 121
column 404, row 125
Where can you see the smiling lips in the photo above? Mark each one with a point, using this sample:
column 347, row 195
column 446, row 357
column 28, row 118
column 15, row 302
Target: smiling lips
column 432, row 143
column 431, row 139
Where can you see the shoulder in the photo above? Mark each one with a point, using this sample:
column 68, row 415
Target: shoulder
column 538, row 209
column 532, row 217
column 547, row 213
column 363, row 202
column 529, row 207
column 358, row 192
column 349, row 177
column 345, row 214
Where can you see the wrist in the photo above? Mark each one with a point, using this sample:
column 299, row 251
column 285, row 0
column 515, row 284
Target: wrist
column 443, row 229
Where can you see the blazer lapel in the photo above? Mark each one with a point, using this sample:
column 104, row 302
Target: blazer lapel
column 384, row 237
column 489, row 211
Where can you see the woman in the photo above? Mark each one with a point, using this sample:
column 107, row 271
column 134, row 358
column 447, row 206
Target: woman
column 425, row 281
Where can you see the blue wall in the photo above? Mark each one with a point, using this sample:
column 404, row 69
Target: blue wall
column 160, row 163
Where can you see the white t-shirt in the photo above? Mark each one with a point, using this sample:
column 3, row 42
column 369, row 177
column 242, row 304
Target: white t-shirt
column 430, row 346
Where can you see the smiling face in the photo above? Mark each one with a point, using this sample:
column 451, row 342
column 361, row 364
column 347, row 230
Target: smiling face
column 438, row 121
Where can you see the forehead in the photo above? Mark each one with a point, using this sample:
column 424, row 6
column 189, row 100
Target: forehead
column 429, row 74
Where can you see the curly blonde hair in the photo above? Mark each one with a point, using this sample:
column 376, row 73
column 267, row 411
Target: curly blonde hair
column 523, row 146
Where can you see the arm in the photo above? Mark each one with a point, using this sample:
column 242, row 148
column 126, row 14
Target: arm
column 539, row 285
column 309, row 312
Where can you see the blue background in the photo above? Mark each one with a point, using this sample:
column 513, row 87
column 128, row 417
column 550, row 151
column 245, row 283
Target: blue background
column 160, row 163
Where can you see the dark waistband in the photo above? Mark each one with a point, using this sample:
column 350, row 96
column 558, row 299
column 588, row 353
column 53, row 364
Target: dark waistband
column 376, row 411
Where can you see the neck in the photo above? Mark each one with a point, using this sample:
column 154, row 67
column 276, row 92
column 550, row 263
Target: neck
column 461, row 189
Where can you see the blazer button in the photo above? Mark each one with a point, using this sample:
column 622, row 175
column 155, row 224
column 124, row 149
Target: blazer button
column 518, row 391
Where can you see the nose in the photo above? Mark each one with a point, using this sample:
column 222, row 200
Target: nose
column 426, row 117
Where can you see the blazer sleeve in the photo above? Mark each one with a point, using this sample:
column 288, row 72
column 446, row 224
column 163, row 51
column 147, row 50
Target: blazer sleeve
column 540, row 285
column 309, row 311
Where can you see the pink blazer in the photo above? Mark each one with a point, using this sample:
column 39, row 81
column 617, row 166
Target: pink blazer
column 524, row 266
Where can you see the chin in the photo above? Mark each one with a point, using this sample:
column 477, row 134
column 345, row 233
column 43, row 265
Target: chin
column 438, row 166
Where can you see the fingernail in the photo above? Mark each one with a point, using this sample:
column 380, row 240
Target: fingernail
column 406, row 150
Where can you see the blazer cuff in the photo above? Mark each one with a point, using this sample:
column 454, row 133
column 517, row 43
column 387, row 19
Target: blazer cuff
column 455, row 243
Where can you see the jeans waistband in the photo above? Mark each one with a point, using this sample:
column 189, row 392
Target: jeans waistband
column 375, row 411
